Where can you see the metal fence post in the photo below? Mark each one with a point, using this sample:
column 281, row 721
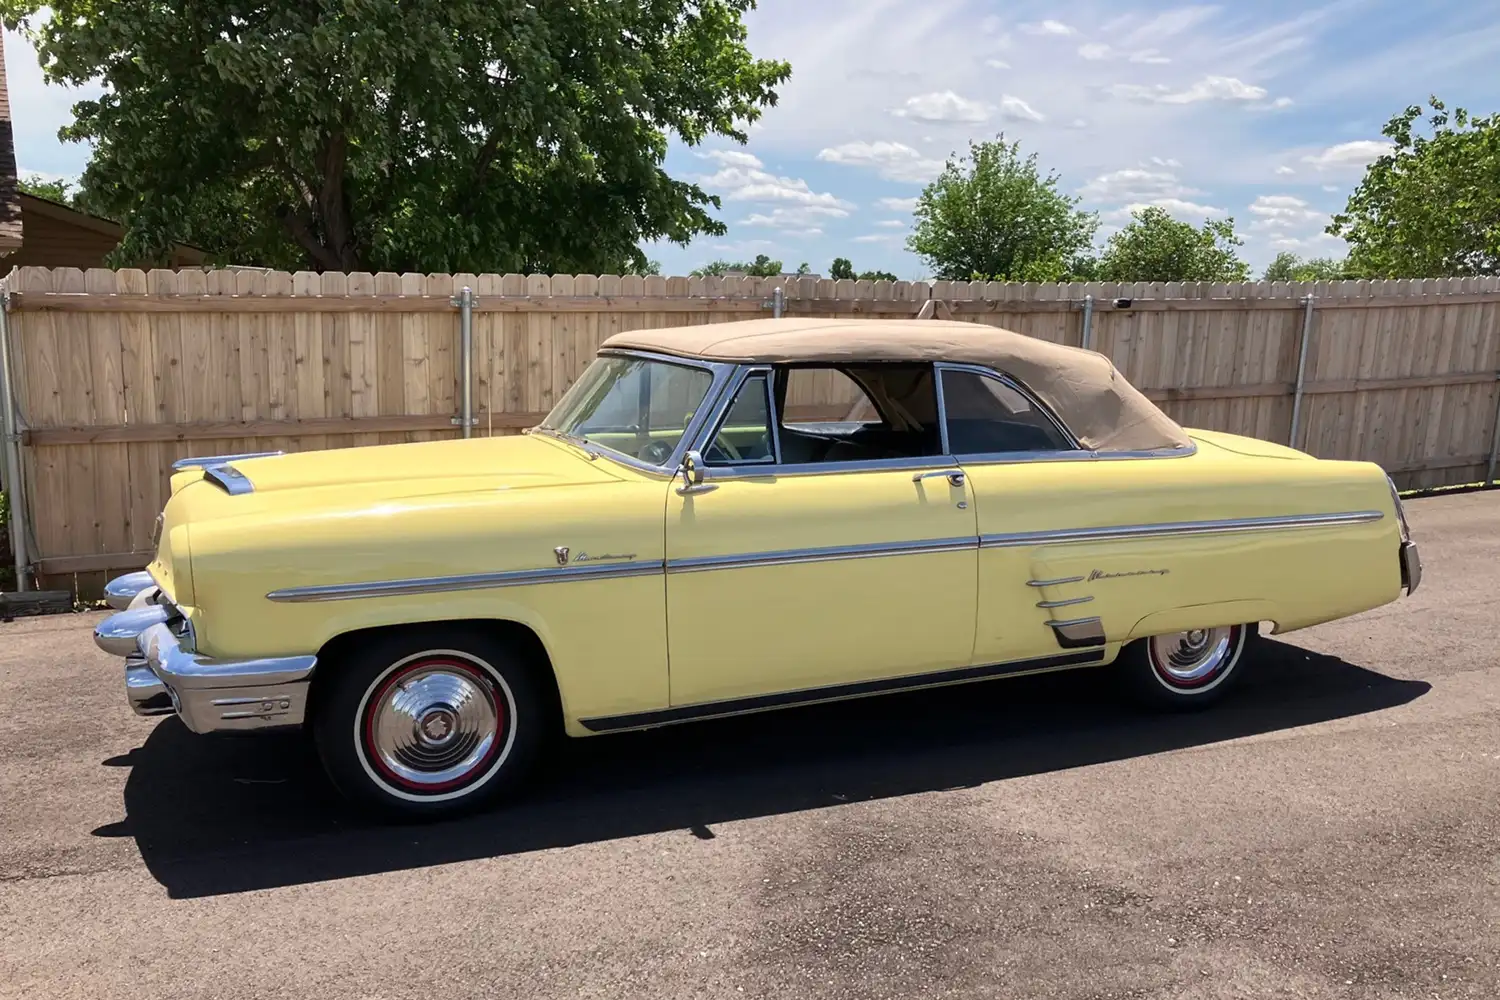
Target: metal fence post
column 1489, row 476
column 465, row 303
column 1307, row 318
column 10, row 441
column 778, row 302
column 1086, row 340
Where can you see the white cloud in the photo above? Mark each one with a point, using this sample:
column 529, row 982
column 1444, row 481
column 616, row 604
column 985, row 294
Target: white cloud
column 802, row 217
column 1282, row 102
column 892, row 223
column 1048, row 27
column 1178, row 208
column 1210, row 88
column 1278, row 211
column 1018, row 110
column 1285, row 171
column 898, row 204
column 731, row 158
column 877, row 238
column 1135, row 184
column 997, row 64
column 1169, row 162
column 751, row 184
column 1078, row 123
column 1150, row 57
column 894, row 161
column 1330, row 187
column 1094, row 51
column 1349, row 154
column 942, row 106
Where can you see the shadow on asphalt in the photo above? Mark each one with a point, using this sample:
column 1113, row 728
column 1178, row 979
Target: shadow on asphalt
column 224, row 815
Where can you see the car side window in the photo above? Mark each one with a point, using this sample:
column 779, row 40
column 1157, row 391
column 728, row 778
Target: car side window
column 744, row 435
column 986, row 416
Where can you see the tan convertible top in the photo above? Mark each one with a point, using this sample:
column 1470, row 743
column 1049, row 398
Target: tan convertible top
column 1105, row 412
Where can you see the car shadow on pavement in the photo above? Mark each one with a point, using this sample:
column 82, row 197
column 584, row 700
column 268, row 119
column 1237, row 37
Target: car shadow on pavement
column 223, row 815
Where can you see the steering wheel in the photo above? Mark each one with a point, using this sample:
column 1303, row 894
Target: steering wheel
column 657, row 452
column 723, row 445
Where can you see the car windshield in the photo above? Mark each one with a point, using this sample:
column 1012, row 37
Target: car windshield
column 636, row 406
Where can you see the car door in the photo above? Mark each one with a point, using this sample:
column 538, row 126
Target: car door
column 1034, row 602
column 822, row 579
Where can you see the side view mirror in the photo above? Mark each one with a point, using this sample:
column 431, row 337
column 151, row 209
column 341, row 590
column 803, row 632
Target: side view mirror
column 693, row 473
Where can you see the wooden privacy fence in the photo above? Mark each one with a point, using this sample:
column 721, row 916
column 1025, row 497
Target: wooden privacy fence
column 119, row 373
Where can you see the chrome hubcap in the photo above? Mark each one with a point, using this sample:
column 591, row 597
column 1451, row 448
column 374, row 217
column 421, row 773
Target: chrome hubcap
column 434, row 724
column 1189, row 659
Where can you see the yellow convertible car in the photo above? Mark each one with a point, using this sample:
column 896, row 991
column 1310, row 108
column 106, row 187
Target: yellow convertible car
column 731, row 518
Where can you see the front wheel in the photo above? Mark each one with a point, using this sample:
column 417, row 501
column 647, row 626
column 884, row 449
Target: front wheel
column 420, row 725
column 1185, row 670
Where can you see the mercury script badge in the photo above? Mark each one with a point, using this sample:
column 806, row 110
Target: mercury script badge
column 1099, row 574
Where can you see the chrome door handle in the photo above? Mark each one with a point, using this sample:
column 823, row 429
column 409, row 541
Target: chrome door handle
column 955, row 477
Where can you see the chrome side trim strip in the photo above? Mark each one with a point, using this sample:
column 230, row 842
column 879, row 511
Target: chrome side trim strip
column 838, row 692
column 1133, row 531
column 471, row 581
column 210, row 460
column 1064, row 604
column 1054, row 583
column 785, row 557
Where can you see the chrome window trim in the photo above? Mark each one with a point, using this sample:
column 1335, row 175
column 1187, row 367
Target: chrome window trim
column 1175, row 528
column 832, row 553
column 720, row 372
column 942, row 408
column 731, row 393
column 469, row 581
column 1081, row 455
column 763, row 471
column 1012, row 382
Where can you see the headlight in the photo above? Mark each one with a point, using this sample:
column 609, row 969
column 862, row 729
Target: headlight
column 1400, row 511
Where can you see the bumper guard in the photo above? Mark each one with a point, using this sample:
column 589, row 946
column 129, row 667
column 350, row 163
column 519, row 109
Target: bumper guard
column 210, row 695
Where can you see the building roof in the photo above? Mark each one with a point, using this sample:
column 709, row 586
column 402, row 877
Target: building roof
column 1084, row 389
column 10, row 207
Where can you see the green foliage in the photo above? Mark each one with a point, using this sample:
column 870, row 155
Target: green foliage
column 1153, row 246
column 40, row 187
column 843, row 268
column 1430, row 208
column 1289, row 267
column 995, row 217
column 427, row 135
column 761, row 267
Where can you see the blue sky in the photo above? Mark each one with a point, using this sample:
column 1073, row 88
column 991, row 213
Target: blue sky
column 1266, row 112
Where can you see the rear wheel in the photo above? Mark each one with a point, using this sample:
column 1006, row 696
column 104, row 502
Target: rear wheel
column 429, row 723
column 1185, row 670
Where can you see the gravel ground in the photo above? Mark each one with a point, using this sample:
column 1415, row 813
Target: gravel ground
column 1330, row 832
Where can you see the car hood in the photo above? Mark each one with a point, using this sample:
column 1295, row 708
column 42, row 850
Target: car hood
column 424, row 468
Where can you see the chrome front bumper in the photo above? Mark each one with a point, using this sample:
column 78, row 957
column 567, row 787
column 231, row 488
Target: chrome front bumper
column 163, row 675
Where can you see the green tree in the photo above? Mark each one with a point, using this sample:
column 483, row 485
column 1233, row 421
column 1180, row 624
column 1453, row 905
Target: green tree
column 38, row 186
column 501, row 135
column 1289, row 267
column 995, row 216
column 843, row 268
column 1430, row 208
column 761, row 267
column 1153, row 246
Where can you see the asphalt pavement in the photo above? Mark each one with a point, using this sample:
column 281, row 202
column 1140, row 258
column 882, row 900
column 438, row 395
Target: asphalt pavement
column 1333, row 831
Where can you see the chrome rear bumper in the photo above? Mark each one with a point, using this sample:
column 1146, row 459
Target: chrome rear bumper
column 163, row 675
column 1411, row 567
